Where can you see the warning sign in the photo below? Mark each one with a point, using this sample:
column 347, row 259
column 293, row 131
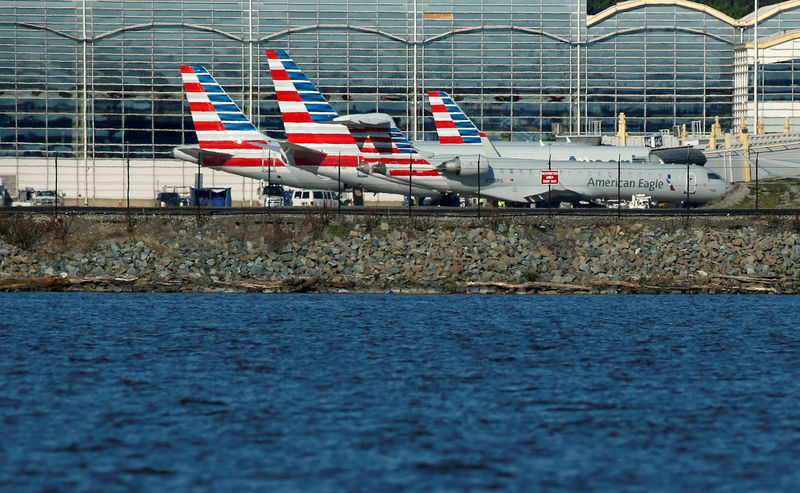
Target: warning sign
column 549, row 177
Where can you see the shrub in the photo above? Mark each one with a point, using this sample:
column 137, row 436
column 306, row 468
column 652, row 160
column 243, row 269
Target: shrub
column 530, row 276
column 22, row 230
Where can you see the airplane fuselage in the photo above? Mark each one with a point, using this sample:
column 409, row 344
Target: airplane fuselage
column 593, row 181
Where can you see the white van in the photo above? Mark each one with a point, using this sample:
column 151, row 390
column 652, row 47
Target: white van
column 314, row 198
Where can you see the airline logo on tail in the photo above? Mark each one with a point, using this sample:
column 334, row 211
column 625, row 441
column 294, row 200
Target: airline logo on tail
column 219, row 123
column 307, row 116
column 452, row 125
column 224, row 134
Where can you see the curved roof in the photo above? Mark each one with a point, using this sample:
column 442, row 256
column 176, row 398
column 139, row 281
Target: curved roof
column 770, row 42
column 746, row 21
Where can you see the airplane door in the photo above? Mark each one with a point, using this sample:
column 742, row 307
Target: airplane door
column 692, row 183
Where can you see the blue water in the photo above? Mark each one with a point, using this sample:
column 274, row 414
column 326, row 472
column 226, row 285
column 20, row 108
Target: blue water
column 235, row 392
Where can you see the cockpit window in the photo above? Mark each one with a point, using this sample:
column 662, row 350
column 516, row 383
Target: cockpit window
column 713, row 176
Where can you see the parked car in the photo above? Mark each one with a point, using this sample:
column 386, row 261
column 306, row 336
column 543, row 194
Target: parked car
column 314, row 198
column 170, row 199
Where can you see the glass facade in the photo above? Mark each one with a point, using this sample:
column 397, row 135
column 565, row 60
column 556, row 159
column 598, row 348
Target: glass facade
column 661, row 65
column 99, row 78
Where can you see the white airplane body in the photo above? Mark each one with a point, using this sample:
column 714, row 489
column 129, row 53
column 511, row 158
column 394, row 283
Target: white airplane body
column 517, row 182
column 520, row 180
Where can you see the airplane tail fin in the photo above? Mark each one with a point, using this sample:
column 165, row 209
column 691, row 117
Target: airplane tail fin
column 218, row 121
column 382, row 132
column 455, row 127
column 368, row 150
column 307, row 115
column 452, row 125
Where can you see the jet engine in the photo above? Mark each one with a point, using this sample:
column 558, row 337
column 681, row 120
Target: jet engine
column 465, row 166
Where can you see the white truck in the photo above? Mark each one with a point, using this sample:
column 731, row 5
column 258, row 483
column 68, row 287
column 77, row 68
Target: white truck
column 640, row 201
column 29, row 197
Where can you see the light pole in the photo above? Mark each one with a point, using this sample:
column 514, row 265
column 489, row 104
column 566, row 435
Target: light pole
column 410, row 162
column 269, row 177
column 619, row 189
column 755, row 67
column 55, row 203
column 479, row 186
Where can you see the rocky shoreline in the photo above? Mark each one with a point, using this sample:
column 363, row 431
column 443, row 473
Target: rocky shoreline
column 326, row 253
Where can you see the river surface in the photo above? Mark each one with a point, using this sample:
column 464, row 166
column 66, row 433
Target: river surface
column 339, row 393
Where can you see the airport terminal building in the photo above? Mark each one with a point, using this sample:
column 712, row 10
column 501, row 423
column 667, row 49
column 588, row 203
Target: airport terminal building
column 98, row 80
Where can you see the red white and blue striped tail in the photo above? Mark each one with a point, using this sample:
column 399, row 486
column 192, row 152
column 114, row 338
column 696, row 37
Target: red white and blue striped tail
column 307, row 116
column 218, row 121
column 369, row 151
column 452, row 125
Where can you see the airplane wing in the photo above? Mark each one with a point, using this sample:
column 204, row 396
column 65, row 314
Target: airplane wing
column 531, row 194
column 205, row 157
column 299, row 155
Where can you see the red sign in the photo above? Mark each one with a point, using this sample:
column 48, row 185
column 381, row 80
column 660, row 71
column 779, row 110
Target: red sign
column 549, row 177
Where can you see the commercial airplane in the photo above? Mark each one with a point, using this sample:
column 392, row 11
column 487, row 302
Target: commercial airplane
column 311, row 123
column 458, row 133
column 316, row 141
column 520, row 180
column 227, row 141
column 604, row 181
